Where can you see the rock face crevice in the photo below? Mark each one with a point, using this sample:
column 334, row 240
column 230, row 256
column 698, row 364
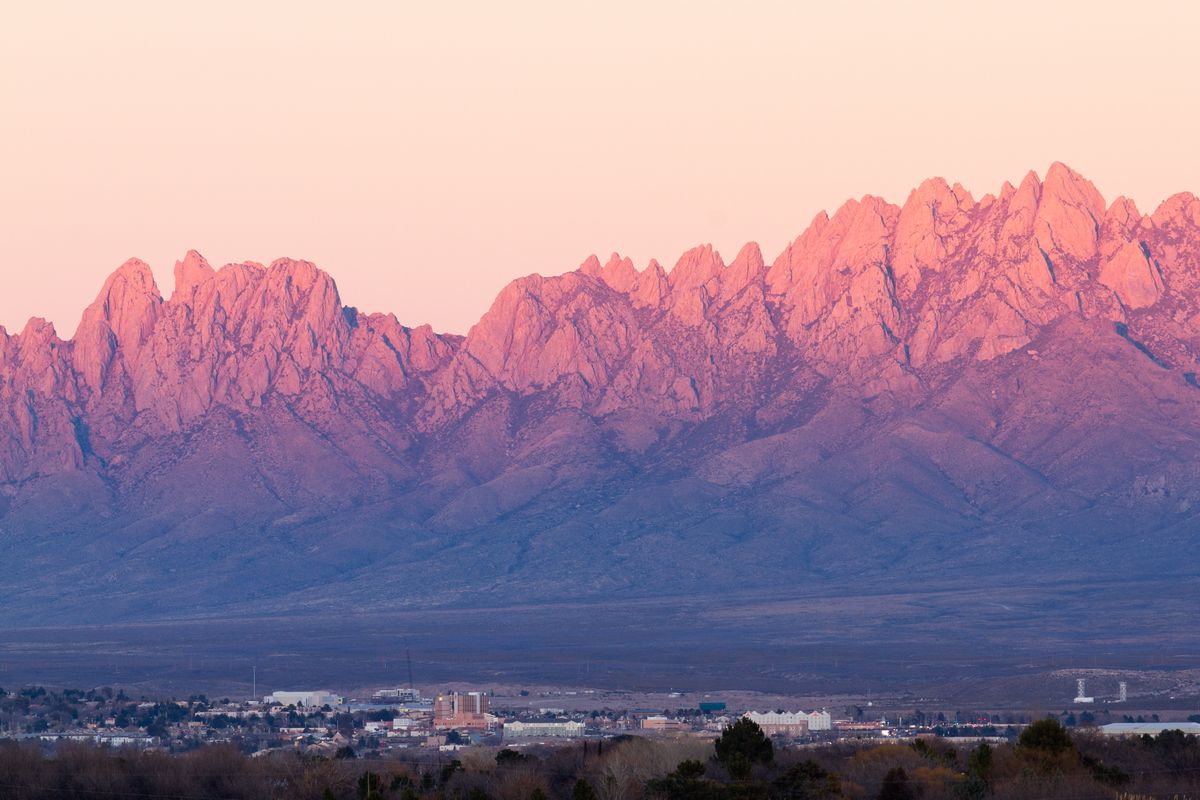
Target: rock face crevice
column 940, row 340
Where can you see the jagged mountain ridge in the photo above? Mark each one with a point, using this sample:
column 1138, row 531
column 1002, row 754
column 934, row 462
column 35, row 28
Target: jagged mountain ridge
column 900, row 377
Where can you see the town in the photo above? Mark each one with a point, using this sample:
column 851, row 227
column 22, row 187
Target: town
column 321, row 722
column 553, row 743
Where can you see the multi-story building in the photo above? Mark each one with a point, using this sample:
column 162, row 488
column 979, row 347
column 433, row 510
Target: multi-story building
column 664, row 724
column 775, row 723
column 820, row 721
column 321, row 697
column 791, row 723
column 542, row 730
column 398, row 695
column 462, row 710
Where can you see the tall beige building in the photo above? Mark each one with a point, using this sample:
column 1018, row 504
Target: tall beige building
column 462, row 710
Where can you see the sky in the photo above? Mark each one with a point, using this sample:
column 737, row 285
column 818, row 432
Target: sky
column 425, row 154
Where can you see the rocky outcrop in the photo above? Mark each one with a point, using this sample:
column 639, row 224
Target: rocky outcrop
column 878, row 297
column 895, row 368
column 140, row 367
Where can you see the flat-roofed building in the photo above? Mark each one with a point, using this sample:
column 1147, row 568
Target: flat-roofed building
column 1148, row 728
column 542, row 730
column 664, row 724
column 820, row 721
column 776, row 723
column 317, row 699
column 462, row 710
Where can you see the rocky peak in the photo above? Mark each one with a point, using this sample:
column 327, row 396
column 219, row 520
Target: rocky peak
column 927, row 231
column 1068, row 216
column 746, row 269
column 873, row 299
column 118, row 324
column 1179, row 210
column 37, row 334
column 127, row 304
column 193, row 271
column 696, row 267
column 620, row 274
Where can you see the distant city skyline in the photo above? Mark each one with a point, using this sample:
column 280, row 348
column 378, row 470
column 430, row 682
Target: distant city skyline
column 427, row 155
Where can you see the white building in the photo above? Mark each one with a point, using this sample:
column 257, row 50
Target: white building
column 790, row 723
column 398, row 695
column 820, row 721
column 315, row 699
column 1148, row 728
column 780, row 723
column 542, row 730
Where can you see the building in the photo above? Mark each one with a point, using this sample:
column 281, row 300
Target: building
column 791, row 723
column 664, row 724
column 462, row 710
column 776, row 723
column 397, row 696
column 542, row 730
column 315, row 699
column 820, row 721
column 102, row 738
column 1148, row 728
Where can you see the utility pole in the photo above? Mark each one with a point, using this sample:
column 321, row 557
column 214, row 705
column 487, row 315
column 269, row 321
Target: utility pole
column 254, row 682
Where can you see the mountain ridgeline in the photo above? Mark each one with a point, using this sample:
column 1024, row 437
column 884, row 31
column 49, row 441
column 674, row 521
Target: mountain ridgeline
column 952, row 389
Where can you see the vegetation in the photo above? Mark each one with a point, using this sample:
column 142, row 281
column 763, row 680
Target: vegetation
column 742, row 745
column 1048, row 761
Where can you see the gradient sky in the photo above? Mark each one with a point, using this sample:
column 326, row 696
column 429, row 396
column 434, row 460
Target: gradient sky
column 427, row 153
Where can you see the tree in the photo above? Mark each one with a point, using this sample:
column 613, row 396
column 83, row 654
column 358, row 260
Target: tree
column 448, row 771
column 896, row 786
column 742, row 745
column 807, row 781
column 685, row 783
column 1046, row 736
column 979, row 774
column 509, row 757
column 979, row 762
column 370, row 786
column 583, row 791
column 1047, row 747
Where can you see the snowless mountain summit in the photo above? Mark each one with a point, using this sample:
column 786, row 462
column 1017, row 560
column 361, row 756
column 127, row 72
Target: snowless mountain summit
column 1003, row 377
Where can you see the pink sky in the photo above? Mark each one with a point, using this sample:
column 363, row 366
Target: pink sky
column 426, row 154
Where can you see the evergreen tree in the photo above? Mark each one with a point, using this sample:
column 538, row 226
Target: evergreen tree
column 742, row 745
column 896, row 786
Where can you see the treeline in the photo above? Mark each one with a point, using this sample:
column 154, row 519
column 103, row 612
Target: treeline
column 1047, row 762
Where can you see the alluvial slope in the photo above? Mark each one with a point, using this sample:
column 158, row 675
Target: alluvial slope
column 952, row 388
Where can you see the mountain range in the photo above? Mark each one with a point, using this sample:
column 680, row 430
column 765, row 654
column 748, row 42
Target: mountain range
column 950, row 392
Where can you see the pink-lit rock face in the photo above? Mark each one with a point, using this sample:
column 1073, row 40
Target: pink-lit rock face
column 866, row 300
column 1022, row 355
